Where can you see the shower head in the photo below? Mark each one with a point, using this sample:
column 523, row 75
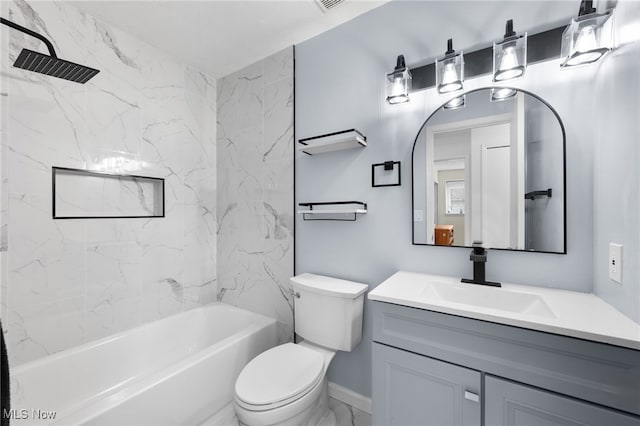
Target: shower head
column 49, row 64
column 53, row 66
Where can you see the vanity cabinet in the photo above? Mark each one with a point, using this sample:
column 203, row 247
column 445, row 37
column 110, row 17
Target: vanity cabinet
column 510, row 404
column 428, row 367
column 411, row 389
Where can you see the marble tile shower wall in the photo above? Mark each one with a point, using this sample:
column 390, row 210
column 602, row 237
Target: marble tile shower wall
column 255, row 196
column 66, row 282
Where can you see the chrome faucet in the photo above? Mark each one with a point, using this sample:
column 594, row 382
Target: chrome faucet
column 479, row 258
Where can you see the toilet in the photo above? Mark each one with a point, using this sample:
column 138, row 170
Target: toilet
column 287, row 384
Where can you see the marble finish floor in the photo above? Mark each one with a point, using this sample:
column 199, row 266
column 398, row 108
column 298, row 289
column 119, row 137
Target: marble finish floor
column 346, row 415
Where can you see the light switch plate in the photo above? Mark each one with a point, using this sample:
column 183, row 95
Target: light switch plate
column 418, row 215
column 615, row 262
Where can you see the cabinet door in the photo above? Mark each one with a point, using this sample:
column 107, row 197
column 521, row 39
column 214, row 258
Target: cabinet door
column 514, row 404
column 410, row 389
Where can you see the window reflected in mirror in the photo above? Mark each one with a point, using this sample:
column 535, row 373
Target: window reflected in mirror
column 454, row 193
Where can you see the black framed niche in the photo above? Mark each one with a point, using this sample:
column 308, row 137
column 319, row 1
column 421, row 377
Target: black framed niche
column 87, row 194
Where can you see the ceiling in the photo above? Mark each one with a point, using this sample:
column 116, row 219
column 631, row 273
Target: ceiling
column 220, row 37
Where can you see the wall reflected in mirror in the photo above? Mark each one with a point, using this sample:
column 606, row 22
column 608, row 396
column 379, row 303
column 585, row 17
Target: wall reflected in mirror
column 491, row 170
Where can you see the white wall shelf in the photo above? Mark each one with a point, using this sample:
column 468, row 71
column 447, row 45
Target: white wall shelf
column 333, row 210
column 346, row 139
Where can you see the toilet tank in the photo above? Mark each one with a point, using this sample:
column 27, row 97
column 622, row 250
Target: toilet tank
column 328, row 311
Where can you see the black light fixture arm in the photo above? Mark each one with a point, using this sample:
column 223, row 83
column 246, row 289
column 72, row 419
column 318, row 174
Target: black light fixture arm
column 586, row 8
column 42, row 38
column 450, row 50
column 508, row 31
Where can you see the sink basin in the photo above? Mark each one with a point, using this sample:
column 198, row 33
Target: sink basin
column 499, row 299
column 564, row 312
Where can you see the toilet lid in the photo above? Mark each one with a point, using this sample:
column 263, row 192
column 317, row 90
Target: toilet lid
column 279, row 374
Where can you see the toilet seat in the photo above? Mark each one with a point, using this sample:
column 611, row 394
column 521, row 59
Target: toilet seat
column 279, row 377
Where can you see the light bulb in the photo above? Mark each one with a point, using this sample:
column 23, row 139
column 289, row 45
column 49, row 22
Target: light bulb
column 509, row 66
column 450, row 80
column 398, row 83
column 398, row 87
column 449, row 75
column 450, row 70
column 510, row 55
column 398, row 91
column 586, row 47
column 509, row 58
column 586, row 40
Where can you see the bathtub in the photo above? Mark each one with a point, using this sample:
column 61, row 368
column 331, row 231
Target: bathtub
column 180, row 370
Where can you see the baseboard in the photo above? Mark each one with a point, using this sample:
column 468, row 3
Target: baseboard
column 350, row 397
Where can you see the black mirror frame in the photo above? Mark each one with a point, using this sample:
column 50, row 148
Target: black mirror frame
column 564, row 172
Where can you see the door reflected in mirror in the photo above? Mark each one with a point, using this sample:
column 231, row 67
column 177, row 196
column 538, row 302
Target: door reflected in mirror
column 491, row 170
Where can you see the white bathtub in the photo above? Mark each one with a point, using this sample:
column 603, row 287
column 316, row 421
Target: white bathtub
column 176, row 371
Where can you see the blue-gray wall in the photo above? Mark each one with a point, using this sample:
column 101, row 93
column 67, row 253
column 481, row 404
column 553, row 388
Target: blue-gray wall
column 340, row 85
column 617, row 155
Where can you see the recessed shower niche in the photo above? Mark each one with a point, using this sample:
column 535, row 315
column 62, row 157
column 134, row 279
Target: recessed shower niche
column 85, row 194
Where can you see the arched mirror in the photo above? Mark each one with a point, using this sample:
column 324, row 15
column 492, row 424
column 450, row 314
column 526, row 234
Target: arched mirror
column 489, row 166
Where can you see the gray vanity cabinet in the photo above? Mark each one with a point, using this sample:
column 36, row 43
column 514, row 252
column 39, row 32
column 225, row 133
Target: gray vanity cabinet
column 514, row 404
column 410, row 389
column 428, row 368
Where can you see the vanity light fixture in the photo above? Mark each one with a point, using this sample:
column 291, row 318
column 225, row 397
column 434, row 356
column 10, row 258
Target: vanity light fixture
column 510, row 55
column 398, row 83
column 588, row 37
column 450, row 70
column 502, row 93
column 455, row 103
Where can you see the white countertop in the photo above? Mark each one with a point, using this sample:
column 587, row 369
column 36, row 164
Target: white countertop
column 568, row 313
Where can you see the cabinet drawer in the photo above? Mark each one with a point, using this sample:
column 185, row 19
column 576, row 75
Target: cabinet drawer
column 515, row 404
column 604, row 374
column 410, row 389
